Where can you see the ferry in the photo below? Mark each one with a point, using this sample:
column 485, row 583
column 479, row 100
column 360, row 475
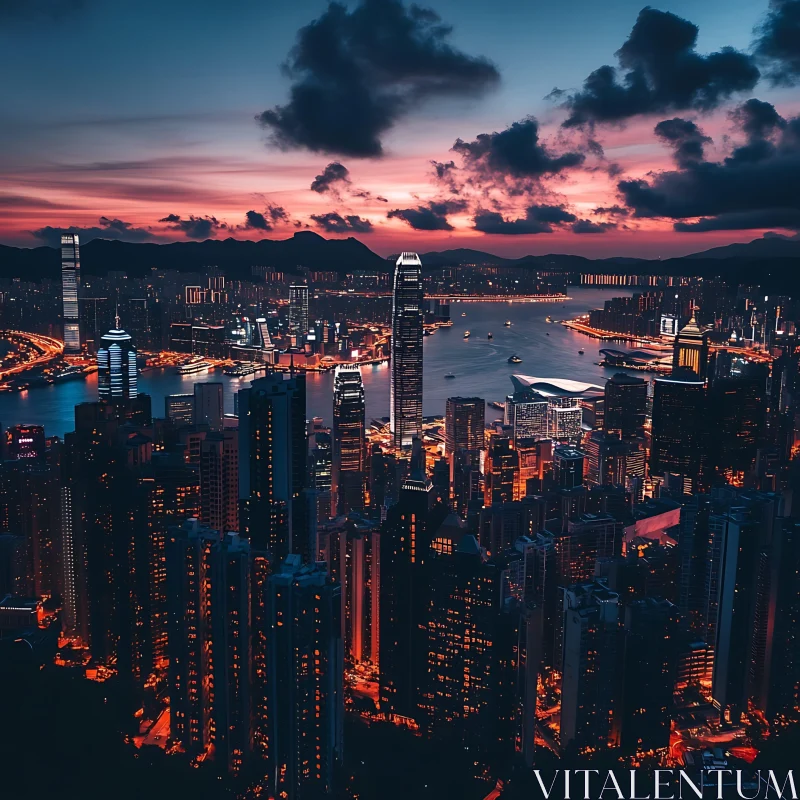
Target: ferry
column 449, row 375
column 467, row 334
column 69, row 373
column 515, row 359
column 242, row 369
column 193, row 366
column 489, row 337
column 507, row 323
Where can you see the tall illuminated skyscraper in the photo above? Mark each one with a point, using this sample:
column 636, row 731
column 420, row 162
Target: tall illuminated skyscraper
column 116, row 366
column 298, row 311
column 464, row 424
column 349, row 473
column 70, row 284
column 691, row 348
column 405, row 406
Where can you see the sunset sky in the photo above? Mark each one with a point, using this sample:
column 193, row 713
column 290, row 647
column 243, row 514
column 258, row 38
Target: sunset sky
column 410, row 127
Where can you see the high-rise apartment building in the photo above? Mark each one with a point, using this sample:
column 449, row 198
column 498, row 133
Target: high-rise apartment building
column 208, row 579
column 348, row 439
column 275, row 509
column 304, row 675
column 70, row 287
column 219, row 480
column 209, row 408
column 592, row 655
column 405, row 402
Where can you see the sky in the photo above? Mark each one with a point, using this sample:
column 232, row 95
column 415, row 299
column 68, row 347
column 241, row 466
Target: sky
column 513, row 126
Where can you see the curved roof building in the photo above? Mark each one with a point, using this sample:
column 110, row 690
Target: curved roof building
column 556, row 387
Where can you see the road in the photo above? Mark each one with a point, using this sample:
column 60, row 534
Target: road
column 49, row 349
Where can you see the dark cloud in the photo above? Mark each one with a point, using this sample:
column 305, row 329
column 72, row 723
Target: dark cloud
column 445, row 174
column 611, row 211
column 778, row 41
column 107, row 229
column 514, row 154
column 355, row 73
column 330, row 178
column 745, row 220
column 759, row 121
column 333, row 222
column 537, row 219
column 660, row 71
column 257, row 221
column 587, row 226
column 194, row 227
column 754, row 187
column 685, row 138
column 431, row 216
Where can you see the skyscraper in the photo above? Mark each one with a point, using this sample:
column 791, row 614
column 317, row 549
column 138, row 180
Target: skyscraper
column 70, row 286
column 219, row 480
column 274, row 509
column 527, row 412
column 208, row 405
column 691, row 348
column 679, row 426
column 349, row 475
column 591, row 684
column 298, row 311
column 405, row 402
column 304, row 674
column 626, row 402
column 117, row 372
column 464, row 424
column 208, row 580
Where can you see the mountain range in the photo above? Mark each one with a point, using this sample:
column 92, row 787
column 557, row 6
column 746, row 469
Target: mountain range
column 774, row 259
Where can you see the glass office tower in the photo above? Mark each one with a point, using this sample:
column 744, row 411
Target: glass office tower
column 405, row 407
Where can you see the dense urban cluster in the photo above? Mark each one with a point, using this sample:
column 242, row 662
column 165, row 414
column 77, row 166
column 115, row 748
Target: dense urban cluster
column 606, row 575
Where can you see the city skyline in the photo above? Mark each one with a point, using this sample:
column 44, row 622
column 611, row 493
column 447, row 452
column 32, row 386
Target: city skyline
column 475, row 157
column 310, row 489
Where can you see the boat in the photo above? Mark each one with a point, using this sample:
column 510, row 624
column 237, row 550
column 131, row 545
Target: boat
column 548, row 319
column 507, row 323
column 463, row 313
column 449, row 375
column 489, row 337
column 242, row 369
column 429, row 331
column 467, row 334
column 69, row 373
column 193, row 366
column 515, row 359
column 580, row 352
column 495, row 404
column 548, row 334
